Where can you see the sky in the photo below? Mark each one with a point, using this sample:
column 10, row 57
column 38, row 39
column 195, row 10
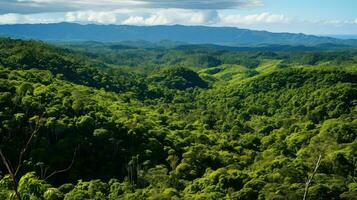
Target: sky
column 320, row 17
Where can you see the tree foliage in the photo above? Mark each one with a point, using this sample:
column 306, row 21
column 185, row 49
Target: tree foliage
column 183, row 123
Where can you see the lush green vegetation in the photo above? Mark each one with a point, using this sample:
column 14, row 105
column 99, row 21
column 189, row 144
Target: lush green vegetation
column 104, row 121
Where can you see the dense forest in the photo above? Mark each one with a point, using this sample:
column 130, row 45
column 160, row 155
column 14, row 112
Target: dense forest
column 142, row 121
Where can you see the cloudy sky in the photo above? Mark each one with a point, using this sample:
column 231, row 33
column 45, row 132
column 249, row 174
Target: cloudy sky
column 322, row 17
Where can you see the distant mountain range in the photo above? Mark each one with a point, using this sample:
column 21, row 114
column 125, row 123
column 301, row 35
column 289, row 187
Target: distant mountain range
column 348, row 36
column 187, row 34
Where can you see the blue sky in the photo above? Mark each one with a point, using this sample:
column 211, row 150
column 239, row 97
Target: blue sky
column 322, row 17
column 313, row 9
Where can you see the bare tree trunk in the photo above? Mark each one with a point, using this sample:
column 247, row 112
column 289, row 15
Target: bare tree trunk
column 307, row 185
column 63, row 170
column 12, row 174
column 13, row 171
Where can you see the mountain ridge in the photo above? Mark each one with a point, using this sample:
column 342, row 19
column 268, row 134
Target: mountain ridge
column 231, row 36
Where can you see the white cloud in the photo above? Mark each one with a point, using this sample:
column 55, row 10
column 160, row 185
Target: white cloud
column 85, row 3
column 92, row 16
column 13, row 18
column 42, row 6
column 336, row 23
column 10, row 18
column 143, row 16
column 262, row 18
column 120, row 16
column 135, row 20
column 175, row 16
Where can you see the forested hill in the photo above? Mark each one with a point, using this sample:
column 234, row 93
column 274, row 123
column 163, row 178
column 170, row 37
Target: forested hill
column 188, row 34
column 101, row 121
column 63, row 63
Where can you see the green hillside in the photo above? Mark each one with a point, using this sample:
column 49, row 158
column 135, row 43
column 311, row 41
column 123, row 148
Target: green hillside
column 176, row 123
